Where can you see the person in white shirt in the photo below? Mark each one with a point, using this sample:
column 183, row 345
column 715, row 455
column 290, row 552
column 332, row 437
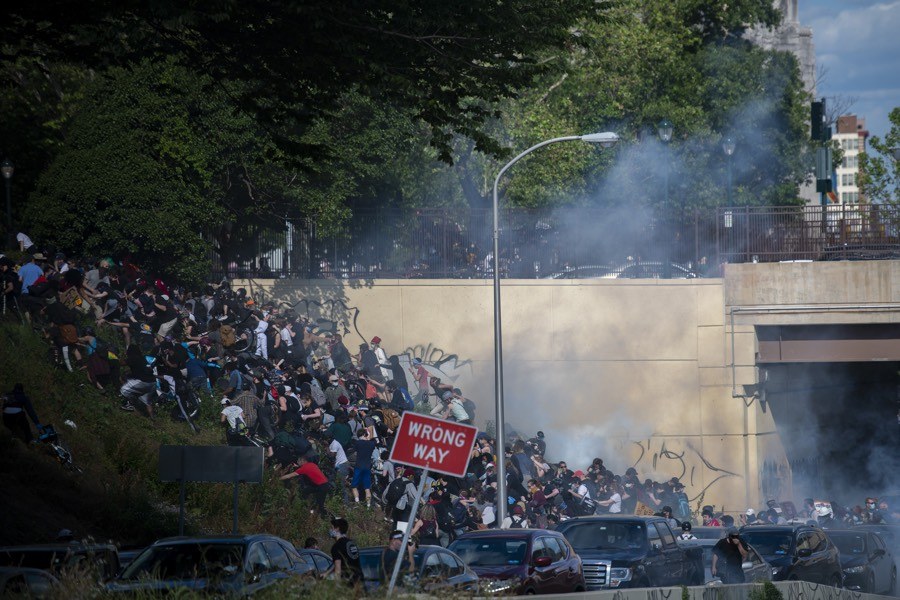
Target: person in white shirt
column 25, row 243
column 341, row 465
column 614, row 502
column 382, row 359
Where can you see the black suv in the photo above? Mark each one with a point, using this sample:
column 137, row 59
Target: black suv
column 796, row 552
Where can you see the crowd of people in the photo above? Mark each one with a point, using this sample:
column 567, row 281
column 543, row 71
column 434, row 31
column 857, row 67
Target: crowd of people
column 326, row 415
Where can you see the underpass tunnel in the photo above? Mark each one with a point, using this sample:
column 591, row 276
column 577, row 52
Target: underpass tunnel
column 833, row 392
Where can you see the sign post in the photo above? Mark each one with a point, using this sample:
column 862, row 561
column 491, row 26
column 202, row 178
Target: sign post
column 430, row 444
column 214, row 464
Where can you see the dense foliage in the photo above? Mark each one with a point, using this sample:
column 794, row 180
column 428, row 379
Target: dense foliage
column 165, row 130
column 879, row 173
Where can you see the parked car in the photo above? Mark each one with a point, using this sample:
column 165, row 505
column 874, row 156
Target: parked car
column 581, row 272
column 796, row 552
column 59, row 557
column 755, row 567
column 631, row 551
column 868, row 564
column 650, row 270
column 230, row 564
column 21, row 582
column 521, row 561
column 437, row 569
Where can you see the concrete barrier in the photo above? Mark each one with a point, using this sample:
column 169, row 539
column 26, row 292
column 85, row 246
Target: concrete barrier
column 791, row 590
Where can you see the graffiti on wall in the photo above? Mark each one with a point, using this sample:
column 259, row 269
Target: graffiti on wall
column 334, row 316
column 682, row 460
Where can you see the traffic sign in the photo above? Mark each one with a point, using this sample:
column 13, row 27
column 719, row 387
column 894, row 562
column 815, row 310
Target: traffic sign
column 443, row 446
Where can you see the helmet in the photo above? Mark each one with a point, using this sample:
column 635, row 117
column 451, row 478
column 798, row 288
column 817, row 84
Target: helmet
column 88, row 331
column 686, row 526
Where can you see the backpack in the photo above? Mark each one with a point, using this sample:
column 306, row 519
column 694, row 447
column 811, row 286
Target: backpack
column 293, row 405
column 429, row 529
column 228, row 337
column 390, row 418
column 395, row 492
column 318, row 395
column 516, row 522
column 240, row 428
column 470, row 409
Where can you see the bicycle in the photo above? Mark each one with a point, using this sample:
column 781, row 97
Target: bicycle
column 48, row 435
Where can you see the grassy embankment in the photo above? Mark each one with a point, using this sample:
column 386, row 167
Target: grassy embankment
column 119, row 496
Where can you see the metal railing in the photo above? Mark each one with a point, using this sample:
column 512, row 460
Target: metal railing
column 571, row 242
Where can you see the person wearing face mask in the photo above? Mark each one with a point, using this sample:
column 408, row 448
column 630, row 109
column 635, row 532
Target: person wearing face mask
column 871, row 514
column 345, row 554
column 334, row 391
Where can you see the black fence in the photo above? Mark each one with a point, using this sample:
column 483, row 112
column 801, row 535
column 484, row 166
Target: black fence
column 565, row 243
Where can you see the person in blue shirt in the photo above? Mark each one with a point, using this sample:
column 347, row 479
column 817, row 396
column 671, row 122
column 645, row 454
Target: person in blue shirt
column 30, row 272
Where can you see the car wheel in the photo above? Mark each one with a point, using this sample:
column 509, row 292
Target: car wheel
column 870, row 585
column 893, row 589
column 835, row 581
column 530, row 592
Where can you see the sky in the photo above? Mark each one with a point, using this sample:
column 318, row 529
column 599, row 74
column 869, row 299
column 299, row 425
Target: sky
column 857, row 55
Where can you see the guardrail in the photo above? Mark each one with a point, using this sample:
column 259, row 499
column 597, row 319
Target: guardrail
column 791, row 590
column 445, row 243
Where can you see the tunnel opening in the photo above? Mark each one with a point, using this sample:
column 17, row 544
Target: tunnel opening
column 833, row 392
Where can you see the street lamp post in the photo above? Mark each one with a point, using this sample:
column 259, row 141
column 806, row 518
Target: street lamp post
column 605, row 140
column 665, row 130
column 728, row 146
column 7, row 169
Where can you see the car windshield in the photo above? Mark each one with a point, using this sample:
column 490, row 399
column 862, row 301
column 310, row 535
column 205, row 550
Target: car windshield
column 497, row 552
column 606, row 536
column 768, row 543
column 186, row 561
column 849, row 543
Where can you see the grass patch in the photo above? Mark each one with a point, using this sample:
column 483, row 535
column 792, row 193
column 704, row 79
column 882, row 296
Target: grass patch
column 119, row 497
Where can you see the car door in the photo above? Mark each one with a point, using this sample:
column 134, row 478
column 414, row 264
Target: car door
column 432, row 570
column 280, row 566
column 758, row 569
column 454, row 571
column 256, row 568
column 803, row 568
column 822, row 557
column 655, row 563
column 542, row 577
column 880, row 563
column 568, row 571
column 675, row 564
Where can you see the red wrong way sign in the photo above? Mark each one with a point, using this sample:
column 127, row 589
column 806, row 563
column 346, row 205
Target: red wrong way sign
column 424, row 441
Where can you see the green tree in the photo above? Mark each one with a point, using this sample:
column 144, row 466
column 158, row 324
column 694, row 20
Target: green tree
column 879, row 173
column 685, row 61
column 448, row 63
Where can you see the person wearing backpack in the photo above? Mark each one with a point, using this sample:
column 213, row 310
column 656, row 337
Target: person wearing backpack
column 232, row 416
column 97, row 356
column 426, row 525
column 516, row 519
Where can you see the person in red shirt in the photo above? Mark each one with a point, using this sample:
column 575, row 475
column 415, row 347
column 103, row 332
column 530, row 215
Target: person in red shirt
column 316, row 484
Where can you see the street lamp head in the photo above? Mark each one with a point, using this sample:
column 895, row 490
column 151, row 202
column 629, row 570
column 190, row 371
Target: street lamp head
column 7, row 169
column 607, row 139
column 665, row 130
column 895, row 152
column 728, row 146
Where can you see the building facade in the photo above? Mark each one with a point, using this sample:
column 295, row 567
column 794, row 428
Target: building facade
column 851, row 135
